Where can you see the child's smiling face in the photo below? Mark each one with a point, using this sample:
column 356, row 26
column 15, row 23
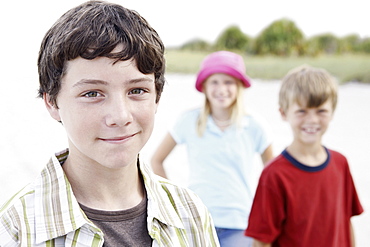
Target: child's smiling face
column 107, row 110
column 308, row 124
column 221, row 90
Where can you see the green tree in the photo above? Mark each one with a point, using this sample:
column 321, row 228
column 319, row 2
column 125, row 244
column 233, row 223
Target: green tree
column 349, row 43
column 282, row 38
column 196, row 45
column 365, row 45
column 323, row 43
column 232, row 38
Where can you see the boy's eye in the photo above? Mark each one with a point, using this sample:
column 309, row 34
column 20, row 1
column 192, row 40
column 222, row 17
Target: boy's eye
column 137, row 91
column 92, row 94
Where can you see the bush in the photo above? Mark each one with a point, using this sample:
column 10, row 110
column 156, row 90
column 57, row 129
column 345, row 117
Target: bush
column 232, row 39
column 281, row 38
column 349, row 43
column 196, row 45
column 365, row 45
column 323, row 43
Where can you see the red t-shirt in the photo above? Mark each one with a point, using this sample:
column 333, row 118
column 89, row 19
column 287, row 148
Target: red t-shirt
column 297, row 205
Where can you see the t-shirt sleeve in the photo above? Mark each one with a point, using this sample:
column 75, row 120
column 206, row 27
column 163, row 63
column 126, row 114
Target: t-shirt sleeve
column 267, row 213
column 355, row 206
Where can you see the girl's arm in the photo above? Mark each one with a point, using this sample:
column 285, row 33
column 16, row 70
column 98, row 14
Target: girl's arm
column 163, row 150
column 267, row 155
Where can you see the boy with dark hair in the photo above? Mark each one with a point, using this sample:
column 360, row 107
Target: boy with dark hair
column 101, row 71
column 306, row 195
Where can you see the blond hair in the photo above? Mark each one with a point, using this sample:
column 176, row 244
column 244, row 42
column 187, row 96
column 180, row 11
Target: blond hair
column 308, row 87
column 237, row 110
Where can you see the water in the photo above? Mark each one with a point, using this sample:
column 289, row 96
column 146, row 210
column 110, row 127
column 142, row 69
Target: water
column 29, row 136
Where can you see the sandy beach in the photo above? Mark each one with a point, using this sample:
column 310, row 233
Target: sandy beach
column 29, row 136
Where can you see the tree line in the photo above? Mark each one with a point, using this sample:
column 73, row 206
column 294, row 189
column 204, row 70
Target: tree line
column 282, row 38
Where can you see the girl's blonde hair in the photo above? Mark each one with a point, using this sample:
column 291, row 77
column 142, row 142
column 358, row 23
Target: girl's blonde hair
column 237, row 110
column 307, row 86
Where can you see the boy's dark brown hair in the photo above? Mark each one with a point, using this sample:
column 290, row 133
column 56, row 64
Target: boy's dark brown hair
column 93, row 29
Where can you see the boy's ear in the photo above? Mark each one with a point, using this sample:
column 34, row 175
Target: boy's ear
column 282, row 113
column 51, row 107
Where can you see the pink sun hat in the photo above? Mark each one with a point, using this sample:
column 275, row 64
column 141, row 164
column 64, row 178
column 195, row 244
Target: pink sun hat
column 224, row 62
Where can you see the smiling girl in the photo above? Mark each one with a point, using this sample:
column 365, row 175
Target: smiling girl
column 221, row 141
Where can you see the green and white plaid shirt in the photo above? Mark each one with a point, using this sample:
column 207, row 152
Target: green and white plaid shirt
column 46, row 213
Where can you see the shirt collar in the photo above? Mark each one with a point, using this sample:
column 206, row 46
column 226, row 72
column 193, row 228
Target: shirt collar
column 211, row 125
column 160, row 206
column 57, row 211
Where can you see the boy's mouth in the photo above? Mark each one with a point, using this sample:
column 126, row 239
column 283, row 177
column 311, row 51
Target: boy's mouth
column 118, row 139
column 311, row 130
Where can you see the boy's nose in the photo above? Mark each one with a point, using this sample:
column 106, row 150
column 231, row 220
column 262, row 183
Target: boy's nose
column 312, row 117
column 118, row 112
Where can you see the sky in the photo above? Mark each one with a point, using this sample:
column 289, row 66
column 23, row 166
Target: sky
column 180, row 21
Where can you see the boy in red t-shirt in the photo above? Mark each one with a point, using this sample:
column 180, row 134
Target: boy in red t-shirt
column 306, row 195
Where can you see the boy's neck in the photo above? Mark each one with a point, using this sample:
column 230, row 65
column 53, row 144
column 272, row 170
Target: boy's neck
column 119, row 190
column 308, row 155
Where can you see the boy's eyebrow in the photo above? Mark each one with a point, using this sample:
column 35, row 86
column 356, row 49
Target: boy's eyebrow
column 89, row 81
column 142, row 79
column 95, row 82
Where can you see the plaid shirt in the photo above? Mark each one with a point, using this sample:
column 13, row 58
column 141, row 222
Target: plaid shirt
column 46, row 213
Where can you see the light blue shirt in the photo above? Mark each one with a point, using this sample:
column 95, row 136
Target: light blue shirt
column 221, row 165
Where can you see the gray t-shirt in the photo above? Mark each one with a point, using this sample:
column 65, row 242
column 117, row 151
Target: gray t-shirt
column 123, row 227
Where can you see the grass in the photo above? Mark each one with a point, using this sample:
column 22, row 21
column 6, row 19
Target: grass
column 348, row 67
